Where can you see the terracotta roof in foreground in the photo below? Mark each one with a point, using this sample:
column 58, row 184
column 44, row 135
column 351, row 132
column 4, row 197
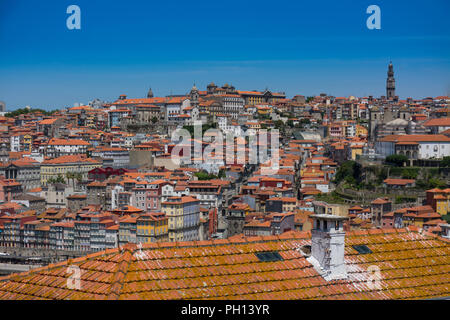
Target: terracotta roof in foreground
column 412, row 266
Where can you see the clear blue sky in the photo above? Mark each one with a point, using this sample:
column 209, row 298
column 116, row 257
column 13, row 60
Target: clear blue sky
column 300, row 47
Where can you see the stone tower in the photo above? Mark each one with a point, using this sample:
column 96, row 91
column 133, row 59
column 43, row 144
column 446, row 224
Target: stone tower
column 150, row 93
column 194, row 95
column 211, row 88
column 390, row 83
column 375, row 118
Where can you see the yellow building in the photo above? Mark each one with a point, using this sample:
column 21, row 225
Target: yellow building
column 152, row 227
column 264, row 109
column 361, row 131
column 27, row 142
column 184, row 218
column 417, row 216
column 289, row 204
column 257, row 97
column 442, row 204
column 321, row 207
column 356, row 150
column 71, row 163
column 439, row 200
column 255, row 125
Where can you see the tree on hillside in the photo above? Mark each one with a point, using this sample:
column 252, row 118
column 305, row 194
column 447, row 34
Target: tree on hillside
column 203, row 175
column 58, row 179
column 396, row 159
column 350, row 172
column 445, row 162
column 20, row 111
column 222, row 174
column 70, row 176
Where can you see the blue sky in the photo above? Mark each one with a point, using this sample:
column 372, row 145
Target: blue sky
column 300, row 47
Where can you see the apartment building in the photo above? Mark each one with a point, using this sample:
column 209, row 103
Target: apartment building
column 152, row 227
column 184, row 218
column 81, row 164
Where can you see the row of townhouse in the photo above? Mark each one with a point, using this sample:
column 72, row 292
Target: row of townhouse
column 92, row 232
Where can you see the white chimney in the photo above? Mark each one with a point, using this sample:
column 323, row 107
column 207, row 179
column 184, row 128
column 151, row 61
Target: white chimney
column 328, row 246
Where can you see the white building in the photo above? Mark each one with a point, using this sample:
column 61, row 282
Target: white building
column 233, row 105
column 431, row 146
column 15, row 143
column 175, row 106
column 120, row 157
column 224, row 123
column 438, row 125
column 61, row 147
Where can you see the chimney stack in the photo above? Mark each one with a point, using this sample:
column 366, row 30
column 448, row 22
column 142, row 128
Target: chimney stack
column 328, row 246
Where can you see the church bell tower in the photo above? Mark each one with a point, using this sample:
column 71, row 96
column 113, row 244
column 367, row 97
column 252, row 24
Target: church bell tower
column 390, row 83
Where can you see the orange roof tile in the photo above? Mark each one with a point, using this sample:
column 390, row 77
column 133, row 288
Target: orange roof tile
column 412, row 266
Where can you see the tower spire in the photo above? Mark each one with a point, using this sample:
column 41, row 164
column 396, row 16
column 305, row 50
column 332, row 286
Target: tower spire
column 150, row 93
column 390, row 82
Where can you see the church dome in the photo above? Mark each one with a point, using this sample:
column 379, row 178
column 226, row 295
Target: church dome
column 397, row 123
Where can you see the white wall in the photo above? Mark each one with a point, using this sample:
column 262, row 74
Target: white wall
column 428, row 150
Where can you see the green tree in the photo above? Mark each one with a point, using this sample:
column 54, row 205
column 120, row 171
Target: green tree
column 445, row 162
column 79, row 177
column 396, row 160
column 305, row 121
column 222, row 174
column 410, row 173
column 205, row 127
column 350, row 172
column 60, row 179
column 279, row 124
column 70, row 176
column 203, row 175
column 154, row 119
column 436, row 183
column 20, row 111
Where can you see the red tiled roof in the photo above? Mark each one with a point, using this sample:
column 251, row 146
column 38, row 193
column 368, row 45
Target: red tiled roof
column 399, row 182
column 70, row 159
column 416, row 138
column 412, row 266
column 441, row 122
column 48, row 121
column 67, row 142
column 380, row 201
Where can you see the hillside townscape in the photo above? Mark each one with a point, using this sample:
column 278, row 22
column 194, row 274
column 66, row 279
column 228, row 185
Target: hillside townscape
column 115, row 191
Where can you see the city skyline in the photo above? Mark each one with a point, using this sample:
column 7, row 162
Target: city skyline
column 224, row 150
column 301, row 48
